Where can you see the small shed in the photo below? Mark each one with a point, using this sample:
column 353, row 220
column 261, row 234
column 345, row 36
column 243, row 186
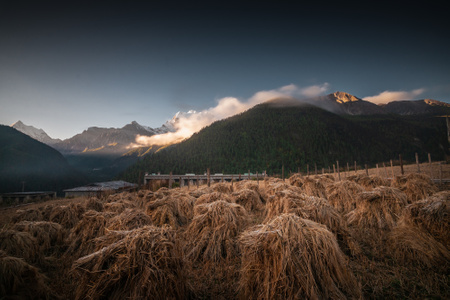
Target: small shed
column 99, row 189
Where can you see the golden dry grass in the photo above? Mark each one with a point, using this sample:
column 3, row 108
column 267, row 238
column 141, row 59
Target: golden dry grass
column 211, row 236
column 144, row 264
column 294, row 258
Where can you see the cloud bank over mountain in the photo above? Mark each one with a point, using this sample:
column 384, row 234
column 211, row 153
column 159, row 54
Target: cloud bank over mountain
column 389, row 96
column 226, row 107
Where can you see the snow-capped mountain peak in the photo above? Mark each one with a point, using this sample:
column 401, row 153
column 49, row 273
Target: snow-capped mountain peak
column 35, row 133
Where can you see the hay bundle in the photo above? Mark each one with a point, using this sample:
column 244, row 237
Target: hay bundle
column 19, row 280
column 20, row 244
column 145, row 264
column 66, row 215
column 92, row 225
column 201, row 191
column 343, row 195
column 294, row 258
column 222, row 187
column 311, row 208
column 296, row 180
column 212, row 197
column 431, row 215
column 368, row 182
column 313, row 187
column 276, row 185
column 415, row 186
column 185, row 204
column 166, row 211
column 251, row 185
column 378, row 209
column 249, row 199
column 29, row 214
column 325, row 179
column 94, row 204
column 212, row 233
column 129, row 219
column 143, row 197
column 119, row 206
column 47, row 234
column 413, row 245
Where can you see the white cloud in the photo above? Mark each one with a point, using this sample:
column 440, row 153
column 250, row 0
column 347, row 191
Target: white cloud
column 227, row 107
column 389, row 96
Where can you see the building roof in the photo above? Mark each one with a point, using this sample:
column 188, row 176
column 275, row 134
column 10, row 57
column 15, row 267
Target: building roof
column 104, row 186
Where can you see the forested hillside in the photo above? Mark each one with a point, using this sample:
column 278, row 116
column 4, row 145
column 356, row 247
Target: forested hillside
column 271, row 135
column 28, row 164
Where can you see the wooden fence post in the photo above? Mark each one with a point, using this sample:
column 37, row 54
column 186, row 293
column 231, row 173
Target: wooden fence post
column 401, row 165
column 257, row 178
column 334, row 171
column 440, row 173
column 323, row 171
column 417, row 162
column 170, row 180
column 385, row 170
column 429, row 162
column 315, row 167
column 356, row 170
column 248, row 174
column 198, row 183
column 392, row 169
column 378, row 171
column 367, row 169
column 307, row 169
column 208, row 180
column 338, row 170
column 282, row 172
column 348, row 170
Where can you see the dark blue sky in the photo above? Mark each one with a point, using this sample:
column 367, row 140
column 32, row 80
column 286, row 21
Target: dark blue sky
column 65, row 68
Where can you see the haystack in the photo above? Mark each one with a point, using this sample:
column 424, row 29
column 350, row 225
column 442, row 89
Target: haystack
column 211, row 236
column 20, row 244
column 415, row 186
column 30, row 214
column 294, row 258
column 200, row 191
column 222, row 187
column 92, row 225
column 171, row 210
column 343, row 195
column 94, row 204
column 251, row 185
column 368, row 182
column 309, row 185
column 431, row 215
column 212, row 197
column 145, row 264
column 311, row 208
column 129, row 219
column 378, row 209
column 67, row 215
column 119, row 206
column 415, row 246
column 19, row 280
column 249, row 199
column 47, row 234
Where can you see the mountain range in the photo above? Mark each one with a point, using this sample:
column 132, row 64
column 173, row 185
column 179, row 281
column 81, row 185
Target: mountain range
column 102, row 153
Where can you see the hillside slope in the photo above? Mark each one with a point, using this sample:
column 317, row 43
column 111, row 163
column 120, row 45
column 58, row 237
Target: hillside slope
column 274, row 134
column 26, row 161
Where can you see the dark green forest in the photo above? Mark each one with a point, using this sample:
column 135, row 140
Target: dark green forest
column 267, row 137
column 28, row 164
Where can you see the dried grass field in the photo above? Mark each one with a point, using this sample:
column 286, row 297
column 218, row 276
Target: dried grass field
column 311, row 237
